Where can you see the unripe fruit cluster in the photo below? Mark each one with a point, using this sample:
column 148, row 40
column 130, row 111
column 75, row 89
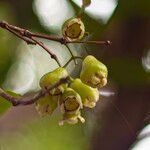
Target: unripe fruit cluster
column 71, row 98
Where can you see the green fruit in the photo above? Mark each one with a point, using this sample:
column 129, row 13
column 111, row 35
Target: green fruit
column 46, row 105
column 53, row 77
column 70, row 104
column 88, row 94
column 73, row 29
column 70, row 101
column 93, row 73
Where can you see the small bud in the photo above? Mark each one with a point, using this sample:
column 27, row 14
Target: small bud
column 88, row 94
column 46, row 105
column 93, row 73
column 73, row 29
column 70, row 104
column 53, row 77
column 86, row 3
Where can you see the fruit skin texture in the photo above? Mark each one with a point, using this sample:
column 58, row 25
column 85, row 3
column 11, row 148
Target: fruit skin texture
column 88, row 94
column 52, row 77
column 46, row 105
column 93, row 73
column 70, row 104
column 73, row 29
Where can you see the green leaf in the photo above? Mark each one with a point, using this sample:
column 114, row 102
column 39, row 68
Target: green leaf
column 4, row 104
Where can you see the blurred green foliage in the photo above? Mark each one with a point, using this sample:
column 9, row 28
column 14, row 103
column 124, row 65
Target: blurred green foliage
column 4, row 106
column 45, row 133
column 128, row 71
column 7, row 42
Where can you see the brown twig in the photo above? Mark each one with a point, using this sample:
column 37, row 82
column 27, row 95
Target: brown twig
column 25, row 100
column 63, row 40
column 47, row 50
column 8, row 97
column 29, row 38
column 107, row 43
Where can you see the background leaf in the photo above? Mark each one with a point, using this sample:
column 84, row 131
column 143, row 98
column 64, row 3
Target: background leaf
column 4, row 104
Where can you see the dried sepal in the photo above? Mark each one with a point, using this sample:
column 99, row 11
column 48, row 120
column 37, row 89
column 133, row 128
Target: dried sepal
column 73, row 29
column 46, row 105
column 88, row 94
column 93, row 73
column 72, row 118
column 53, row 77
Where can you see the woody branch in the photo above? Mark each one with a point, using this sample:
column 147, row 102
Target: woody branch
column 28, row 100
column 30, row 38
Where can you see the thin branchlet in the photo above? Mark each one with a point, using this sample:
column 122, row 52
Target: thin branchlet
column 25, row 100
column 61, row 40
column 72, row 58
column 8, row 97
column 29, row 38
column 41, row 44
